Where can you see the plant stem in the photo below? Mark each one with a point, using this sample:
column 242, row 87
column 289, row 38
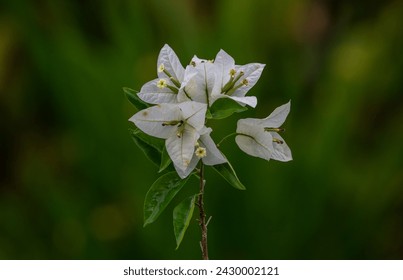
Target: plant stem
column 229, row 135
column 202, row 220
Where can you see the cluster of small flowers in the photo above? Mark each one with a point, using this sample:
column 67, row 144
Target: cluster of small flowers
column 182, row 97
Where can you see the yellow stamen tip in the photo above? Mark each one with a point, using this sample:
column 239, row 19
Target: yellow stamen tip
column 278, row 141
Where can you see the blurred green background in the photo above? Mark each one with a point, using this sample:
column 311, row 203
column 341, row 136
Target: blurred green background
column 72, row 182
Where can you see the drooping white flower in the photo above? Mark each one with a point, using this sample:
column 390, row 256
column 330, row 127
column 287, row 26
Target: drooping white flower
column 260, row 137
column 236, row 80
column 165, row 88
column 205, row 150
column 180, row 124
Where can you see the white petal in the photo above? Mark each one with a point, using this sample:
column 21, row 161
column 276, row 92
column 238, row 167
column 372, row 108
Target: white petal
column 181, row 149
column 213, row 156
column 151, row 120
column 253, row 147
column 171, row 63
column 244, row 124
column 205, row 130
column 252, row 73
column 202, row 85
column 281, row 152
column 193, row 90
column 214, row 98
column 254, row 140
column 214, row 83
column 183, row 94
column 198, row 61
column 224, row 64
column 184, row 173
column 246, row 100
column 152, row 94
column 277, row 117
column 194, row 113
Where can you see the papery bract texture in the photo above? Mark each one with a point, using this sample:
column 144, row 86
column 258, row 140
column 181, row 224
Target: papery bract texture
column 260, row 137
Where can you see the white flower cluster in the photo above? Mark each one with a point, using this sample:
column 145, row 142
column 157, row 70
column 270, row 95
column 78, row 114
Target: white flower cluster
column 182, row 97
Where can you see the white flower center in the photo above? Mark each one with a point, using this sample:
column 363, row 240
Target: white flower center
column 201, row 152
column 162, row 83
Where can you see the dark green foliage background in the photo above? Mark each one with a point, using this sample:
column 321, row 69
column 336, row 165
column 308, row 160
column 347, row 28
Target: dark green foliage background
column 72, row 182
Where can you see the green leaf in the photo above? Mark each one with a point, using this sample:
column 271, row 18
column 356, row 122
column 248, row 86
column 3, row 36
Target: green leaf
column 228, row 173
column 151, row 146
column 160, row 194
column 225, row 107
column 165, row 160
column 131, row 95
column 182, row 215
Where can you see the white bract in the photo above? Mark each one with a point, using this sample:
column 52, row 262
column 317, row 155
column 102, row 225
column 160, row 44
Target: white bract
column 206, row 150
column 201, row 82
column 260, row 137
column 206, row 81
column 165, row 88
column 236, row 80
column 180, row 124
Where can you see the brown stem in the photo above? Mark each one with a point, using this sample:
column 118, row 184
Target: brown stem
column 202, row 220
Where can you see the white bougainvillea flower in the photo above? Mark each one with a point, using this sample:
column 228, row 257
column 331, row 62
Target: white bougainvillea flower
column 165, row 88
column 200, row 82
column 236, row 80
column 205, row 150
column 207, row 81
column 260, row 137
column 180, row 124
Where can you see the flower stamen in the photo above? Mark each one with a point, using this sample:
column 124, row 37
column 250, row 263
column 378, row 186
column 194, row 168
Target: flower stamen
column 232, row 73
column 161, row 68
column 180, row 130
column 232, row 90
column 238, row 77
column 229, row 87
column 162, row 83
column 175, row 81
column 172, row 123
column 174, row 89
column 278, row 141
column 273, row 129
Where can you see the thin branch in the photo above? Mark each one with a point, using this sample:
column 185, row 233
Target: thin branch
column 202, row 220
